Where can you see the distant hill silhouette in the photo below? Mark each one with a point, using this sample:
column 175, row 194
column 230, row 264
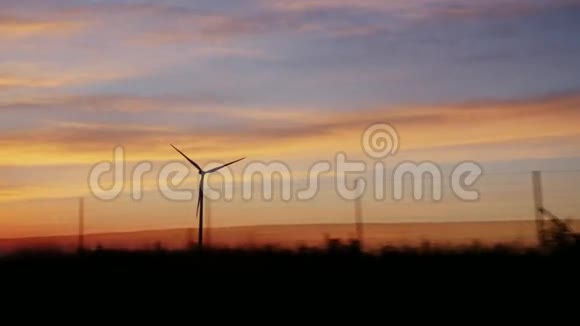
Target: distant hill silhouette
column 294, row 236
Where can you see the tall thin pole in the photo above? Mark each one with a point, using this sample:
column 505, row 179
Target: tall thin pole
column 200, row 230
column 208, row 223
column 81, row 240
column 538, row 204
column 358, row 217
column 189, row 238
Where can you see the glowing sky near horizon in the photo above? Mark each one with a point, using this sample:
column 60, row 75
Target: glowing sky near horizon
column 494, row 81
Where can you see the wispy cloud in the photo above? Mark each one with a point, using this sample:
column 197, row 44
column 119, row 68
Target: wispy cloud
column 424, row 8
column 472, row 124
column 179, row 22
column 114, row 103
column 14, row 27
column 34, row 75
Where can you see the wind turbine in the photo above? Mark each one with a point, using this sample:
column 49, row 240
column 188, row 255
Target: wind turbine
column 199, row 211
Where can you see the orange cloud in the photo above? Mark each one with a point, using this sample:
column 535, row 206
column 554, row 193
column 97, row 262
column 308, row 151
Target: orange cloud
column 26, row 75
column 18, row 28
column 19, row 82
column 300, row 134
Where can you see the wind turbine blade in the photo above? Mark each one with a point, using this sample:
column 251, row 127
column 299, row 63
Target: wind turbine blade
column 187, row 158
column 223, row 166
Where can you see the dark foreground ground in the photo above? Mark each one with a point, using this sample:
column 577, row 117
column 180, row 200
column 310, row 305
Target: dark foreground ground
column 307, row 278
column 335, row 261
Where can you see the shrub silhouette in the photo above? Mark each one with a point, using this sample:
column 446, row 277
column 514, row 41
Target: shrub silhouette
column 559, row 235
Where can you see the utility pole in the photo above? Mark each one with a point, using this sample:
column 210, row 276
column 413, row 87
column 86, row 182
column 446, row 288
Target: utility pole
column 358, row 217
column 538, row 205
column 189, row 238
column 208, row 221
column 81, row 240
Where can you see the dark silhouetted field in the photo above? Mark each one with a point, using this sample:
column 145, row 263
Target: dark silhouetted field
column 517, row 233
column 332, row 261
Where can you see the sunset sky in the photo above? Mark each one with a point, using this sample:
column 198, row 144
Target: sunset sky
column 492, row 81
